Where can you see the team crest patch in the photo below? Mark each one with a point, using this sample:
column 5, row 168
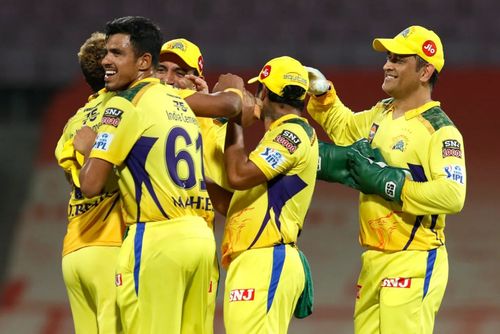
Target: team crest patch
column 241, row 295
column 273, row 157
column 400, row 146
column 112, row 116
column 398, row 282
column 373, row 131
column 176, row 45
column 451, row 148
column 288, row 140
column 455, row 173
column 103, row 141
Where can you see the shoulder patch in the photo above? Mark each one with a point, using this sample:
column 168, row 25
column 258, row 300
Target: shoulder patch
column 437, row 118
column 452, row 148
column 112, row 116
column 129, row 94
column 288, row 140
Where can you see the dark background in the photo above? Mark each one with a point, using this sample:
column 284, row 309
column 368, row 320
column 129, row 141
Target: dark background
column 40, row 87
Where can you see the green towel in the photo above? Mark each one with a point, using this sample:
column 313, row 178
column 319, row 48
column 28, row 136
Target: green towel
column 304, row 306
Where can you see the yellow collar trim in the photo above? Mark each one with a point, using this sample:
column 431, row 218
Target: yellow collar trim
column 284, row 118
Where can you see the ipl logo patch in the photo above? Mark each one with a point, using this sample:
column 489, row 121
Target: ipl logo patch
column 103, row 141
column 273, row 157
column 454, row 173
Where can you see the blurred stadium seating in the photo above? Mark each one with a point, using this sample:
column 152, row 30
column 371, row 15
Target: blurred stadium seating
column 40, row 87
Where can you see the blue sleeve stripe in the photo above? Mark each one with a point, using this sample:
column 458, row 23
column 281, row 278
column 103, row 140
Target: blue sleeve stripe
column 431, row 259
column 279, row 254
column 139, row 235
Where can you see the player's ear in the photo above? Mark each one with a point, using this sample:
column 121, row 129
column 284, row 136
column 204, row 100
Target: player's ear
column 145, row 61
column 426, row 72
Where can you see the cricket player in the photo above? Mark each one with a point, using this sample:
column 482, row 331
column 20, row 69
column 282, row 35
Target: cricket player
column 151, row 140
column 95, row 225
column 406, row 197
column 274, row 186
column 181, row 65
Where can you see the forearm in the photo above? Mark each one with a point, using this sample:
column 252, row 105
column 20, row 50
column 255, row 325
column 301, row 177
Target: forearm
column 242, row 173
column 222, row 104
column 433, row 197
column 235, row 155
column 339, row 122
column 93, row 176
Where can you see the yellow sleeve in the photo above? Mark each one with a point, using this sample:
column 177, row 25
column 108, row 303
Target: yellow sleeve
column 340, row 123
column 273, row 158
column 445, row 192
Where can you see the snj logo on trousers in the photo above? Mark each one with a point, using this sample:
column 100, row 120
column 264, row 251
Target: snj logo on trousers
column 398, row 282
column 118, row 280
column 241, row 295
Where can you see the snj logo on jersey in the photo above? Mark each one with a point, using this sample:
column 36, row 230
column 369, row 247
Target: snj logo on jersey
column 288, row 140
column 241, row 295
column 451, row 148
column 118, row 280
column 398, row 282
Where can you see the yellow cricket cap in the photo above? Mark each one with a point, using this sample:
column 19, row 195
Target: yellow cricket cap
column 189, row 53
column 415, row 40
column 281, row 72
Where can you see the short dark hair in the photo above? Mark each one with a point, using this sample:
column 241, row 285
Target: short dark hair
column 145, row 36
column 90, row 56
column 290, row 95
column 434, row 77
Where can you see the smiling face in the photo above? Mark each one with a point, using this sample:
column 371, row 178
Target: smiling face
column 121, row 65
column 173, row 74
column 401, row 75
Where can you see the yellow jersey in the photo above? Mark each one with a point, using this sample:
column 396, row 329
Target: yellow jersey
column 273, row 213
column 153, row 139
column 426, row 142
column 93, row 221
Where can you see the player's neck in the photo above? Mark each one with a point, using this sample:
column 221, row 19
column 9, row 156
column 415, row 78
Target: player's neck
column 410, row 102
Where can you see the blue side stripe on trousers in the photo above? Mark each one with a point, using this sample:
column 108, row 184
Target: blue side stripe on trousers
column 279, row 253
column 431, row 259
column 139, row 235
